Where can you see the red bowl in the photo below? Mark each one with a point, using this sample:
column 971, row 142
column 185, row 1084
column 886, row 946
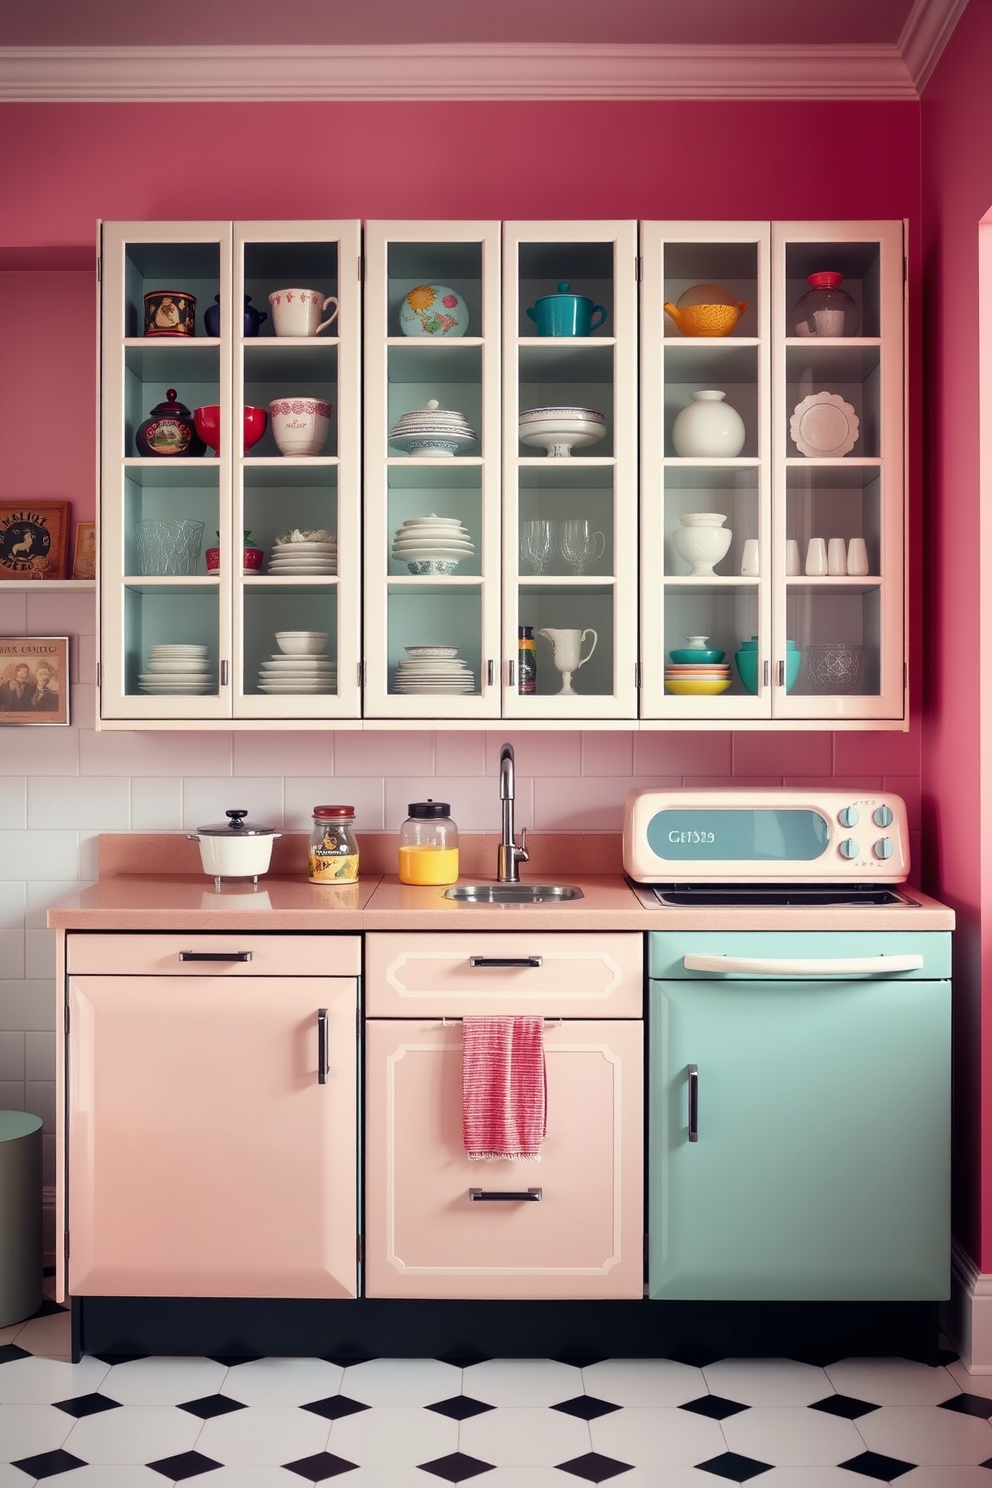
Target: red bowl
column 207, row 421
column 256, row 423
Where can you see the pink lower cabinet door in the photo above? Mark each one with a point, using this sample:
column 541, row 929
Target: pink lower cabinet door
column 212, row 1136
column 425, row 1234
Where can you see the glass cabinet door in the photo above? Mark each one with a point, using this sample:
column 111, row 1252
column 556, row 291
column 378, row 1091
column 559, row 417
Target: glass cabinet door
column 165, row 620
column 706, row 536
column 432, row 470
column 570, row 470
column 839, row 469
column 296, row 452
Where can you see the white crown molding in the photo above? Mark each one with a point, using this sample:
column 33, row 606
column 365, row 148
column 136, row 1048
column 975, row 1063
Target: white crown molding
column 501, row 72
column 926, row 33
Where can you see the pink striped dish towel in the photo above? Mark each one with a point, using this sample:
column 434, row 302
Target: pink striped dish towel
column 504, row 1088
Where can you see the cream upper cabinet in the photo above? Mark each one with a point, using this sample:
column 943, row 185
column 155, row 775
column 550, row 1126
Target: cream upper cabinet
column 570, row 470
column 772, row 474
column 189, row 612
column 432, row 470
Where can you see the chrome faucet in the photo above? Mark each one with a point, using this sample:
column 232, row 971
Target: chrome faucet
column 509, row 853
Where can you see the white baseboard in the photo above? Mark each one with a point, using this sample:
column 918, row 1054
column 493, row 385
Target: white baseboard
column 967, row 1316
column 48, row 1224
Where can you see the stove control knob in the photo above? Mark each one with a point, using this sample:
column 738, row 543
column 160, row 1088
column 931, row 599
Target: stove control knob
column 848, row 816
column 882, row 816
column 849, row 848
column 883, row 847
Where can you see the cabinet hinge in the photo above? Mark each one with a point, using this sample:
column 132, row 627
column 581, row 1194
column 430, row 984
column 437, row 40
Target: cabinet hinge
column 65, row 1020
column 637, row 676
column 361, row 674
column 638, row 268
column 361, row 268
column 360, row 1248
column 65, row 1251
column 99, row 673
column 905, row 674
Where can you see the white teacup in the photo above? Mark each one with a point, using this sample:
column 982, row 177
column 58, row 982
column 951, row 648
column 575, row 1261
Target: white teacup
column 297, row 312
column 300, row 425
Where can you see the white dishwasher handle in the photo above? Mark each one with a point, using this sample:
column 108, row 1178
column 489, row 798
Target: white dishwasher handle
column 804, row 966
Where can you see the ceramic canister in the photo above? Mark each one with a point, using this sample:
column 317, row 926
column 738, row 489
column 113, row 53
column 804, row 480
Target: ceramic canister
column 565, row 314
column 170, row 312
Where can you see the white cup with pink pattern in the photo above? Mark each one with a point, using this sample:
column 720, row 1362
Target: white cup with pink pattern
column 297, row 312
column 300, row 425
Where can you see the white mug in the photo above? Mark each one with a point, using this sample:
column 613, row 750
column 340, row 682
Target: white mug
column 816, row 556
column 792, row 557
column 836, row 556
column 857, row 556
column 749, row 558
column 297, row 312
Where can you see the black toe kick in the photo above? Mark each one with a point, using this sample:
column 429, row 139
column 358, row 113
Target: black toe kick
column 579, row 1332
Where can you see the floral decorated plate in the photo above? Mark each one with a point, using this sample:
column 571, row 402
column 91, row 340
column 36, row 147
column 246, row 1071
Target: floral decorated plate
column 824, row 425
column 433, row 310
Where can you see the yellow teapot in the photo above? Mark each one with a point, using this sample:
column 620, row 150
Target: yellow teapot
column 706, row 310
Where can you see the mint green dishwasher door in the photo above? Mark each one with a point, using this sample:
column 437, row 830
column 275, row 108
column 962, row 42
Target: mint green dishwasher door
column 821, row 1166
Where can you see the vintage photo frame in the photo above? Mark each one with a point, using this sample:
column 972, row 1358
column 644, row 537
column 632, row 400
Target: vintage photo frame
column 34, row 679
column 84, row 552
column 34, row 539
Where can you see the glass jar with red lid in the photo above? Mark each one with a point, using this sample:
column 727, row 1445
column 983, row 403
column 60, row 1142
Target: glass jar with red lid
column 333, row 846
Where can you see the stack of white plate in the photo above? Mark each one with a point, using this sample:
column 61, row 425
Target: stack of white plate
column 297, row 674
column 433, row 669
column 176, row 670
column 430, row 432
column 432, row 544
column 288, row 558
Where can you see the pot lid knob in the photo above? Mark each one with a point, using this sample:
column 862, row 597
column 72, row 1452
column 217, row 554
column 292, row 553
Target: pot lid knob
column 172, row 405
column 237, row 819
column 563, row 288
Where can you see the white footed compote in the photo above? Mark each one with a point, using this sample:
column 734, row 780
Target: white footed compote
column 566, row 646
column 702, row 540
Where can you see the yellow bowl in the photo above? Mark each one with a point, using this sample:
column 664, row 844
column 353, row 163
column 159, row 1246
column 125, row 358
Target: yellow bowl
column 708, row 320
column 701, row 687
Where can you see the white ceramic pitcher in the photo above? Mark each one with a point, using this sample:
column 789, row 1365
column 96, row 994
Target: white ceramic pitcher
column 567, row 647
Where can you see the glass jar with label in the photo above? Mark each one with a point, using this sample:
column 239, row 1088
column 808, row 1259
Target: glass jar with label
column 333, row 848
column 428, row 845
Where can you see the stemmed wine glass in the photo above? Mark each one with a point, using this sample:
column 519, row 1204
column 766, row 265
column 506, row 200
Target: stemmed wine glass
column 537, row 543
column 580, row 544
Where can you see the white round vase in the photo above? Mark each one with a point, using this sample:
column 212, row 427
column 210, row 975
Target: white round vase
column 709, row 428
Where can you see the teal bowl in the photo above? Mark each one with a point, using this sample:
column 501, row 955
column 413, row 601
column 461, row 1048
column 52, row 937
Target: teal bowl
column 702, row 656
column 747, row 666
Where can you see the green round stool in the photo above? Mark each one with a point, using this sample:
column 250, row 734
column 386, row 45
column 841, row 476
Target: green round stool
column 20, row 1216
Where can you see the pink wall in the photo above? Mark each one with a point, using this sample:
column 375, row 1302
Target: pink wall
column 957, row 179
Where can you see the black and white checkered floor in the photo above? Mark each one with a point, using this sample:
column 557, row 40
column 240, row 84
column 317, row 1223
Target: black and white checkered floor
column 505, row 1423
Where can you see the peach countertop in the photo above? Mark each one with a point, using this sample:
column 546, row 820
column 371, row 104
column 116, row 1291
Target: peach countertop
column 155, row 883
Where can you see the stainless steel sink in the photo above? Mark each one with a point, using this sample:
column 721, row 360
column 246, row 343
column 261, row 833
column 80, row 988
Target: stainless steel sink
column 513, row 893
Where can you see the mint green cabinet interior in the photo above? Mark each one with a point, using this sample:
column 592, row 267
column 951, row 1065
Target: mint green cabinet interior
column 821, row 1165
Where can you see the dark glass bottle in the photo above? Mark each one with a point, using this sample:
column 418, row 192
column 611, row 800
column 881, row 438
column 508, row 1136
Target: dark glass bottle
column 526, row 659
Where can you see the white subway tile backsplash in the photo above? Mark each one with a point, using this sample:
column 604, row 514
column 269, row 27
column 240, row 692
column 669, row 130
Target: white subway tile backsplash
column 474, row 800
column 156, row 805
column 13, row 905
column 597, row 806
column 12, row 1095
column 27, row 1007
column 206, row 801
column 388, row 755
column 365, row 794
column 13, row 956
column 551, row 754
column 101, row 805
column 59, row 612
column 85, row 669
column 696, row 753
column 39, row 1099
column 12, row 1056
column 13, row 801
column 38, row 855
column 13, row 612
column 39, row 959
column 41, row 896
column 88, row 855
column 30, row 750
column 608, row 754
column 283, row 754
column 39, row 1056
column 459, row 754
column 154, row 754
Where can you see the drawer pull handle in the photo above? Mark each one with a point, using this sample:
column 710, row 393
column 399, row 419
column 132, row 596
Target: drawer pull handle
column 215, row 955
column 693, row 1103
column 512, row 1196
column 323, row 1047
column 506, row 960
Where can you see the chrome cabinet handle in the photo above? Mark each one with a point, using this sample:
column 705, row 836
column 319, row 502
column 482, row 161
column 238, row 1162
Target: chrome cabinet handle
column 781, row 673
column 506, row 960
column 764, row 674
column 223, row 674
column 323, row 1047
column 512, row 1196
column 510, row 673
column 693, row 1103
column 215, row 955
column 490, row 672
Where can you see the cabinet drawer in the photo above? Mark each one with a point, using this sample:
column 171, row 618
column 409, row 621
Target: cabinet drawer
column 576, row 976
column 425, row 1234
column 191, row 955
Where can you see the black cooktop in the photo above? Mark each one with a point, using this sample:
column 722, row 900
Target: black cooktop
column 738, row 895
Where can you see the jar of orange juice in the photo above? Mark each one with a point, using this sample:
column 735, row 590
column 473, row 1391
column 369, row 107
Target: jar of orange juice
column 428, row 844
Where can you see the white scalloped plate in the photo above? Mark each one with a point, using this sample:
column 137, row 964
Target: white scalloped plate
column 824, row 426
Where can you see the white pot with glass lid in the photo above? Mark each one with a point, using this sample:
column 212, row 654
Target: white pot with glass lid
column 235, row 848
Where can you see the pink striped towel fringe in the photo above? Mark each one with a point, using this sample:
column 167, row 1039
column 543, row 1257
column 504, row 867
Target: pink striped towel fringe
column 504, row 1088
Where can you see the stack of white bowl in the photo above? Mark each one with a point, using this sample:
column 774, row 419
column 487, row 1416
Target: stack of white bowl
column 176, row 669
column 301, row 665
column 433, row 669
column 316, row 553
column 433, row 432
column 432, row 544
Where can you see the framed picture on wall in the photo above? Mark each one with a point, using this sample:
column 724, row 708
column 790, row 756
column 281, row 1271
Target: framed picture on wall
column 84, row 552
column 34, row 539
column 34, row 679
